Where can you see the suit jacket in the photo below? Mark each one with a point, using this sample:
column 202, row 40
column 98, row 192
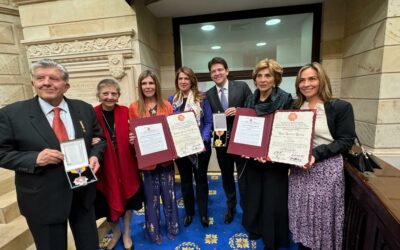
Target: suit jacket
column 43, row 193
column 340, row 118
column 238, row 91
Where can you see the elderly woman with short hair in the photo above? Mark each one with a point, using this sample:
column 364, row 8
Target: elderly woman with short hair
column 265, row 213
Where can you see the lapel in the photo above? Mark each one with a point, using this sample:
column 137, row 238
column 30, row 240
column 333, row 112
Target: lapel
column 40, row 123
column 77, row 120
column 231, row 94
column 215, row 99
column 330, row 113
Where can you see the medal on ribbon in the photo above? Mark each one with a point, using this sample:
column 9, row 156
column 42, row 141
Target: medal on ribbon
column 218, row 142
column 81, row 180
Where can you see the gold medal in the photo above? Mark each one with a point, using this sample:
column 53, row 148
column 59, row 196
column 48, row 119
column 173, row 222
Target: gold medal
column 218, row 142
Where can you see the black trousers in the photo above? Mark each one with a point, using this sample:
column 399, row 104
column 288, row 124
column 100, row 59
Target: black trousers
column 187, row 171
column 226, row 163
column 54, row 236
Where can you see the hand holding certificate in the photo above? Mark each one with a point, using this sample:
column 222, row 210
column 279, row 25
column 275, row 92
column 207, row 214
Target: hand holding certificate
column 285, row 136
column 291, row 137
column 185, row 134
column 161, row 139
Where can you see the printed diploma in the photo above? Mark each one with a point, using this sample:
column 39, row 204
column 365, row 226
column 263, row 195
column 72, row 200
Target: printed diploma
column 284, row 136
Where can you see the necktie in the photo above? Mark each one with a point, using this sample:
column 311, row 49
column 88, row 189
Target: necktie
column 58, row 126
column 224, row 101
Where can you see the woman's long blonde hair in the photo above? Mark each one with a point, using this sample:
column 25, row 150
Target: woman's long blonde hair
column 324, row 90
column 158, row 96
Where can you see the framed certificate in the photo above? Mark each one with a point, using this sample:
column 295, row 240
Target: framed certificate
column 284, row 136
column 76, row 163
column 164, row 138
column 185, row 134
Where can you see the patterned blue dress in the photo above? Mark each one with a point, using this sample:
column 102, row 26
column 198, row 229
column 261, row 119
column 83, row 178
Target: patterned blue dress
column 157, row 183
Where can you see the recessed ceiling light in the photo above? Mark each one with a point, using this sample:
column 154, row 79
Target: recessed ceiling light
column 273, row 21
column 261, row 44
column 208, row 27
column 215, row 47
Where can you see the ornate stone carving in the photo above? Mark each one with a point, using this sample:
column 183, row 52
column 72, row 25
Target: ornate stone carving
column 79, row 47
column 116, row 66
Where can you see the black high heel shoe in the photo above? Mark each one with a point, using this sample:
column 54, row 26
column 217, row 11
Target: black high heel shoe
column 204, row 221
column 130, row 248
column 188, row 220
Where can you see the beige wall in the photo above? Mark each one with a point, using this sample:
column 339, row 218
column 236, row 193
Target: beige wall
column 156, row 46
column 93, row 38
column 333, row 17
column 14, row 77
column 371, row 73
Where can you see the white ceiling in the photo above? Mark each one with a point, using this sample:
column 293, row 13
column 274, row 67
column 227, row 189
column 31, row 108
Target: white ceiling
column 181, row 8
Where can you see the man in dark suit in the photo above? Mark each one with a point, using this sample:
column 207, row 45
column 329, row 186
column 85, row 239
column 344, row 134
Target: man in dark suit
column 231, row 94
column 30, row 147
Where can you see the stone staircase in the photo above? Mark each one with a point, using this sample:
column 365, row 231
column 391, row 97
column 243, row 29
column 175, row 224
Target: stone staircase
column 14, row 232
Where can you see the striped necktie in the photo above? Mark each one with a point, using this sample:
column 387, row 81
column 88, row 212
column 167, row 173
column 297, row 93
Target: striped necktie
column 224, row 101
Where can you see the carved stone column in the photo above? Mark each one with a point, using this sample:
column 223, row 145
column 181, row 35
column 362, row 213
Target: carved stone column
column 97, row 41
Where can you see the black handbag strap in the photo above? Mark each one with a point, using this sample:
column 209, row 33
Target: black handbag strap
column 361, row 146
column 358, row 141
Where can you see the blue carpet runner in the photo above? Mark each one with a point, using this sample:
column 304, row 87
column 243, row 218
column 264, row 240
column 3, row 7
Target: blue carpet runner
column 194, row 237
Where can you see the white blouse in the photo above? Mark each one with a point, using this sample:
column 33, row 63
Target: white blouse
column 321, row 133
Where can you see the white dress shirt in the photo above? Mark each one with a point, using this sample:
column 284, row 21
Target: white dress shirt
column 65, row 116
column 226, row 90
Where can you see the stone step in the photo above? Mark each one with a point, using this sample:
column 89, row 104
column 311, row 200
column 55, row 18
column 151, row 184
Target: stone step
column 8, row 207
column 6, row 181
column 31, row 247
column 15, row 235
column 102, row 228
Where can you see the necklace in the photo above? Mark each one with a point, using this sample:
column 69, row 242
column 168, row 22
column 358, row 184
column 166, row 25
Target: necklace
column 113, row 137
column 153, row 110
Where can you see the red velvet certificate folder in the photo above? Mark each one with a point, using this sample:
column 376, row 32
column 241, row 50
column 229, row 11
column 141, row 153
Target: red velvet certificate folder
column 156, row 157
column 245, row 149
column 261, row 151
